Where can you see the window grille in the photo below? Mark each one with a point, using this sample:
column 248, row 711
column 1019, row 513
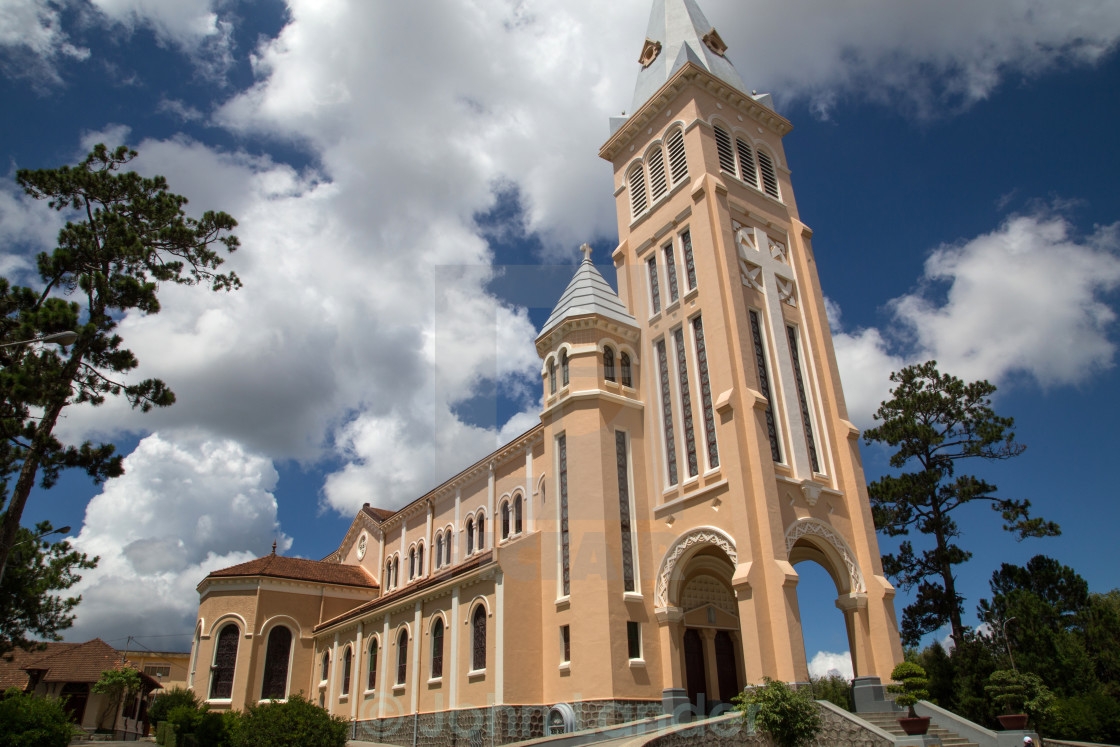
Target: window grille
column 562, row 472
column 689, row 262
column 746, row 163
column 803, row 400
column 225, row 661
column 686, row 403
column 654, row 286
column 726, row 154
column 277, row 653
column 706, row 393
column 622, row 460
column 671, row 273
column 667, row 412
column 764, row 383
column 608, row 364
column 638, row 199
column 657, row 184
column 625, row 366
column 769, row 176
column 478, row 639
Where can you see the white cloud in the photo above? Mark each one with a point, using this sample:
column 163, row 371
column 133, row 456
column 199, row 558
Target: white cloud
column 826, row 663
column 32, row 40
column 194, row 26
column 1028, row 298
column 186, row 505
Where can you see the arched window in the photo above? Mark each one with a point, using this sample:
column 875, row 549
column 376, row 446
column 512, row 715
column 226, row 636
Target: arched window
column 275, row 682
column 478, row 638
column 326, row 667
column 678, row 165
column 481, row 532
column 389, row 573
column 564, row 367
column 347, row 661
column 225, row 661
column 396, row 570
column 505, row 519
column 624, row 361
column 608, row 364
column 447, row 549
column 551, row 376
column 639, row 201
column 470, row 536
column 411, row 563
column 402, row 657
column 371, row 675
column 420, row 559
column 746, row 162
column 723, row 148
column 769, row 175
column 437, row 648
column 657, row 182
column 517, row 515
column 439, row 550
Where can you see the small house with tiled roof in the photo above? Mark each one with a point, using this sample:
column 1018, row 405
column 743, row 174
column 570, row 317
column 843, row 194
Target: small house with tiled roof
column 636, row 551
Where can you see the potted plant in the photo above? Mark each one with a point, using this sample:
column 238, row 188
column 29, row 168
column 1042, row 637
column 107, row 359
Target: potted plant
column 1020, row 695
column 909, row 687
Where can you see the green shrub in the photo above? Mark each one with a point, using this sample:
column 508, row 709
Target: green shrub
column 165, row 701
column 27, row 721
column 1019, row 692
column 296, row 723
column 184, row 719
column 790, row 717
column 910, row 685
column 833, row 688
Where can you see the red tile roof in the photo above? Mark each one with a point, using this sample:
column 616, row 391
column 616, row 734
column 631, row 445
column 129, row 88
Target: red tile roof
column 62, row 662
column 300, row 569
column 377, row 514
column 12, row 664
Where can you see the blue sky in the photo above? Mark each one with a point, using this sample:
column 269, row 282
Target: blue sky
column 412, row 181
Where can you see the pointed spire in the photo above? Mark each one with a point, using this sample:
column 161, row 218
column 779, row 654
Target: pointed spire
column 678, row 33
column 273, row 547
column 587, row 293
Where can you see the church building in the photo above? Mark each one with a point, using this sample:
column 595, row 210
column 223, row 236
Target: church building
column 636, row 552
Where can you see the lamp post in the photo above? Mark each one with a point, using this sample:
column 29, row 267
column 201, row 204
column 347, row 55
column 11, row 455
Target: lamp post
column 65, row 338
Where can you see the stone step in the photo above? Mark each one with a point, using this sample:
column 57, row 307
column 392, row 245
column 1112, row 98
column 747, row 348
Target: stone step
column 888, row 722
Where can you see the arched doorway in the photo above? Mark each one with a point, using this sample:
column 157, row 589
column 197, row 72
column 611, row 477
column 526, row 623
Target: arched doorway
column 710, row 642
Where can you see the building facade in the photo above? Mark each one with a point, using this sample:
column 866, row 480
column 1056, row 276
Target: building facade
column 637, row 549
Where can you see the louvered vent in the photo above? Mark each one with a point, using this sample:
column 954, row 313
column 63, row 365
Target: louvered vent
column 746, row 163
column 657, row 184
column 638, row 199
column 726, row 155
column 678, row 164
column 769, row 178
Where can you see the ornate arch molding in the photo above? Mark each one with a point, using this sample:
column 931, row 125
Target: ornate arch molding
column 681, row 545
column 817, row 528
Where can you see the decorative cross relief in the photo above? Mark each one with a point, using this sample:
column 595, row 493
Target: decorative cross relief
column 773, row 262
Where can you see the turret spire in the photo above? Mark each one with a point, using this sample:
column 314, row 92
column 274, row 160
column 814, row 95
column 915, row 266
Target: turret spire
column 678, row 33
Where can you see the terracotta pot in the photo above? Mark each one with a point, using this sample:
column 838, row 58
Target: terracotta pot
column 914, row 725
column 1013, row 722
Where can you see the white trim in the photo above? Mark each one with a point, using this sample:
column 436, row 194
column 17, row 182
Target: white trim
column 499, row 639
column 453, row 695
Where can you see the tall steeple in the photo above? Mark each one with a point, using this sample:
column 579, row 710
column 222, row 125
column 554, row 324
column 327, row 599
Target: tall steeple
column 678, row 33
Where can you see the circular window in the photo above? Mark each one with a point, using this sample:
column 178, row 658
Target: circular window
column 361, row 547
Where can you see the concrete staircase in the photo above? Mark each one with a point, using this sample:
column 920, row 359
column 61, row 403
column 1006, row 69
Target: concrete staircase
column 888, row 722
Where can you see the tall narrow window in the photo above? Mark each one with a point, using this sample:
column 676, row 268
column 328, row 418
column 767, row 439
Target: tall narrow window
column 551, row 376
column 667, row 412
column 420, row 559
column 678, row 165
column 402, row 657
column 654, row 286
column 657, row 183
column 638, row 199
column 769, row 177
column 608, row 364
column 723, row 147
column 633, row 639
column 439, row 550
column 478, row 639
column 764, row 382
column 481, row 532
column 803, row 400
column 623, row 462
column 470, row 536
column 437, row 648
column 562, row 473
column 746, row 163
column 347, row 659
column 517, row 515
column 705, row 393
column 686, row 403
column 671, row 273
column 411, row 563
column 396, row 570
column 563, row 367
column 624, row 361
column 225, row 661
column 325, row 666
column 371, row 675
column 565, row 643
column 689, row 261
column 505, row 519
column 277, row 653
column 447, row 549
column 389, row 574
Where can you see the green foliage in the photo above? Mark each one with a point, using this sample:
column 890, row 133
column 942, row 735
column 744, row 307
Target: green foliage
column 789, row 716
column 295, row 723
column 1019, row 692
column 165, row 733
column 165, row 701
column 120, row 685
column 833, row 688
column 183, row 719
column 28, row 721
column 934, row 421
column 30, row 608
column 126, row 235
column 910, row 684
column 1090, row 717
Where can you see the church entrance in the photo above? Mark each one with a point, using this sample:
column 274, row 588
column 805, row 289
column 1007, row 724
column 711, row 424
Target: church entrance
column 710, row 647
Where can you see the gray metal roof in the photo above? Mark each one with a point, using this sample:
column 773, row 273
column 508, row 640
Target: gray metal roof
column 680, row 27
column 588, row 293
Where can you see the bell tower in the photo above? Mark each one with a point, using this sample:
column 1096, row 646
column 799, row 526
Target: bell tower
column 751, row 464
